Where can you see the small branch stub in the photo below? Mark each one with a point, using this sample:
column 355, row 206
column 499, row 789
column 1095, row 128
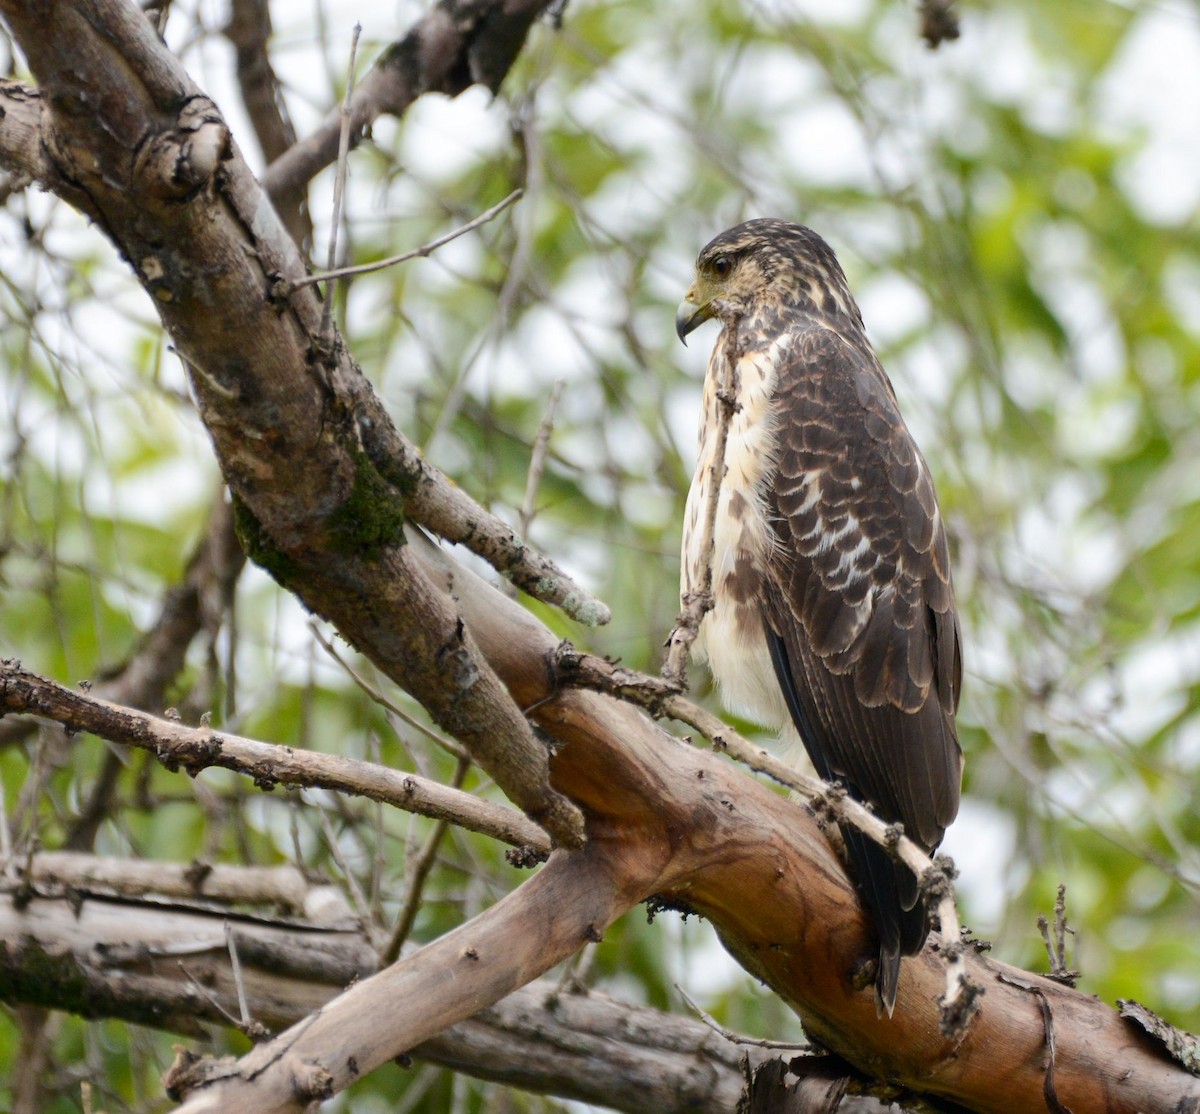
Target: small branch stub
column 180, row 161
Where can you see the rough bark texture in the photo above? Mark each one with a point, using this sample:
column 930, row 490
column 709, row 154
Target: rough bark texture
column 165, row 181
column 196, row 748
column 98, row 937
column 458, row 43
column 127, row 137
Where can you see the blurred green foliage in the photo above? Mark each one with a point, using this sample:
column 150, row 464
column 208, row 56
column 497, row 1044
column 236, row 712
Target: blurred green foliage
column 1025, row 247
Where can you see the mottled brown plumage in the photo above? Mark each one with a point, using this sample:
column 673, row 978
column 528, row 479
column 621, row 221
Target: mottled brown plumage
column 834, row 613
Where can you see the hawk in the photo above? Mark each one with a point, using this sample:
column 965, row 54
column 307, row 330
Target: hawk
column 833, row 618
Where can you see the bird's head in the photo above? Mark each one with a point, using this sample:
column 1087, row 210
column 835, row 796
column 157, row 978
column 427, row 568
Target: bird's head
column 763, row 264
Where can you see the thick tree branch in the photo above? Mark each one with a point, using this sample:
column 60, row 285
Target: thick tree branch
column 660, row 696
column 167, row 967
column 196, row 748
column 249, row 29
column 785, row 908
column 182, row 160
column 283, row 888
column 548, row 918
column 455, row 45
column 74, row 944
column 165, row 182
column 271, row 387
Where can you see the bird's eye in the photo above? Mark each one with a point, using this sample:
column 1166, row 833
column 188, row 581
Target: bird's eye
column 722, row 265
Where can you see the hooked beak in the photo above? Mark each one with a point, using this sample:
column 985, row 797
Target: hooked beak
column 689, row 316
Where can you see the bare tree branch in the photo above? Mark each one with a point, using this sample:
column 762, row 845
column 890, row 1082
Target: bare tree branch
column 267, row 380
column 455, row 45
column 122, row 959
column 423, row 252
column 659, row 696
column 339, row 178
column 163, row 179
column 196, row 748
column 756, row 893
column 92, row 955
column 282, row 887
column 537, row 458
column 548, row 918
column 417, row 873
column 184, row 160
column 249, row 29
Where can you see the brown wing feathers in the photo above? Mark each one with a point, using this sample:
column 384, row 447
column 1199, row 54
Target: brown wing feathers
column 859, row 607
column 856, row 605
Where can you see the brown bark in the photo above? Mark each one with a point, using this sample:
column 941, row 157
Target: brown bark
column 145, row 153
column 759, row 869
column 196, row 748
column 170, row 188
column 249, row 29
column 115, row 948
column 458, row 43
column 667, row 819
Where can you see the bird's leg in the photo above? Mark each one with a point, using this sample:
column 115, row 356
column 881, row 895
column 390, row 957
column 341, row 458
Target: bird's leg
column 698, row 602
column 687, row 625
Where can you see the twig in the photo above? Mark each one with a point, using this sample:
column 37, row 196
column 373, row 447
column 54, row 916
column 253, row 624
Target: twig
column 198, row 987
column 537, row 458
column 575, row 973
column 5, row 838
column 357, row 897
column 737, row 1038
column 339, row 181
column 379, row 858
column 699, row 600
column 236, row 964
column 447, row 744
column 418, row 872
column 1056, row 951
column 421, row 252
column 255, row 1030
column 196, row 748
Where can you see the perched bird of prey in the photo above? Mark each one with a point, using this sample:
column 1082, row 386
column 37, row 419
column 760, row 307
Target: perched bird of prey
column 833, row 616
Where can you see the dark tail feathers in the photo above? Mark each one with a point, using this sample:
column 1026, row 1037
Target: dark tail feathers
column 890, row 893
